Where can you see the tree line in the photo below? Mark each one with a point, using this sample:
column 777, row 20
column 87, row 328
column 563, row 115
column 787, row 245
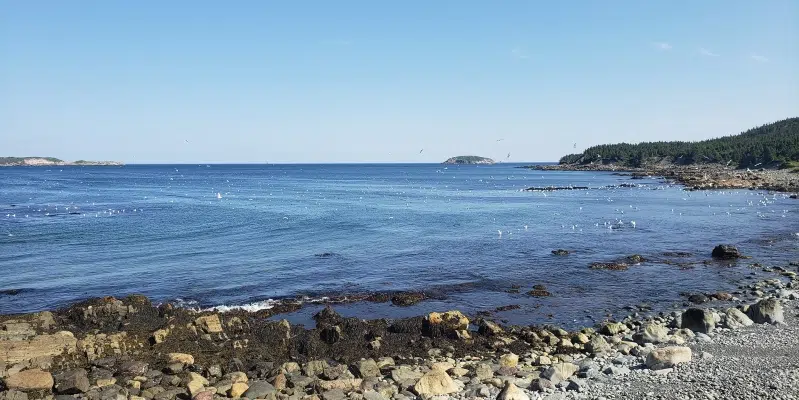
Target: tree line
column 774, row 144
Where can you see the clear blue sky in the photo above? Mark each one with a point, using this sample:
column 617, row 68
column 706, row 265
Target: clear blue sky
column 363, row 81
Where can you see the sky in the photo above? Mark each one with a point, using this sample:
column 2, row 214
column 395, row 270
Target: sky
column 375, row 81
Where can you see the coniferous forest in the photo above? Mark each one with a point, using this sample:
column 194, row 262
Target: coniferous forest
column 771, row 145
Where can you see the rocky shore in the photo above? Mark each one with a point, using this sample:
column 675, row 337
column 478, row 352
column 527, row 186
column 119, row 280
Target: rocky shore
column 697, row 177
column 742, row 344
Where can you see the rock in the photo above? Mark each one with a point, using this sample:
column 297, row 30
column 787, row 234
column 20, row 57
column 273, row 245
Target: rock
column 435, row 382
column 336, row 372
column 483, row 372
column 597, row 345
column 512, row 392
column 726, row 252
column 580, row 338
column 279, row 381
column 134, row 368
column 577, row 385
column 159, row 336
column 668, row 357
column 367, row 368
column 616, row 371
column 653, row 333
column 560, row 252
column 28, row 380
column 204, row 395
column 539, row 291
column 613, row 328
column 238, row 389
column 236, row 377
column 13, row 395
column 698, row 320
column 330, row 334
column 335, row 394
column 698, row 298
column 559, row 372
column 736, row 319
column 180, row 358
column 509, row 360
column 448, row 323
column 489, row 328
column 767, row 311
column 259, row 390
column 209, row 323
column 343, row 384
column 72, row 382
column 542, row 384
column 373, row 395
column 315, row 367
column 17, row 351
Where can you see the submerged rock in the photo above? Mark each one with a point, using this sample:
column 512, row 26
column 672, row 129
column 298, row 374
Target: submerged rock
column 726, row 252
column 561, row 252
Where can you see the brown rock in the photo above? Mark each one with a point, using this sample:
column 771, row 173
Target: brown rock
column 209, row 323
column 32, row 379
column 16, row 351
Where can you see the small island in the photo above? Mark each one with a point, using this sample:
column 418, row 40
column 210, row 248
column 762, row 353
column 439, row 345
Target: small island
column 49, row 162
column 469, row 160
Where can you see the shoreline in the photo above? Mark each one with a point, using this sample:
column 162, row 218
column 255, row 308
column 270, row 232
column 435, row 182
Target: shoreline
column 696, row 177
column 132, row 348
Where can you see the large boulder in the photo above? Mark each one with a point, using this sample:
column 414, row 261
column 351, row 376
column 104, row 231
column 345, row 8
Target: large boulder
column 559, row 372
column 767, row 311
column 72, row 382
column 259, row 390
column 436, row 382
column 29, row 380
column 613, row 328
column 598, row 345
column 450, row 323
column 16, row 351
column 736, row 319
column 367, row 368
column 653, row 333
column 698, row 320
column 668, row 357
column 512, row 392
column 209, row 323
column 726, row 252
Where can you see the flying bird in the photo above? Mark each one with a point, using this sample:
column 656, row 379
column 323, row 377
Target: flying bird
column 575, row 145
column 508, row 155
column 420, row 151
column 499, row 140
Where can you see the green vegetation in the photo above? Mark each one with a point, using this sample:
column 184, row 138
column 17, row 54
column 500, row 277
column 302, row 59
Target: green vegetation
column 21, row 160
column 469, row 160
column 772, row 145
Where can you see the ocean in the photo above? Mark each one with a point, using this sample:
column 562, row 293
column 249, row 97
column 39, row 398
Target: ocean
column 245, row 236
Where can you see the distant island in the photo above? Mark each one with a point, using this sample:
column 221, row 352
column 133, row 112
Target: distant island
column 775, row 145
column 49, row 161
column 469, row 160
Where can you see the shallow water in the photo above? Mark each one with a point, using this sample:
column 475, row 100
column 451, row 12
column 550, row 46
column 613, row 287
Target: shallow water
column 69, row 233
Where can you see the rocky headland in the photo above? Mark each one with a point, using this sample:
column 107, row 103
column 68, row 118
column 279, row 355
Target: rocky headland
column 742, row 344
column 49, row 162
column 697, row 177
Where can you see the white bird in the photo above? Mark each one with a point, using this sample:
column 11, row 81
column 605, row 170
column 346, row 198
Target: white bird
column 218, row 195
column 525, row 227
column 633, row 223
column 500, row 232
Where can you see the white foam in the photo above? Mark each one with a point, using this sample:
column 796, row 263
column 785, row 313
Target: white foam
column 251, row 307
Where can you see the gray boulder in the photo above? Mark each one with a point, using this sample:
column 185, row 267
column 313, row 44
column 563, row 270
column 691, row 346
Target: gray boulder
column 767, row 311
column 736, row 319
column 72, row 382
column 698, row 320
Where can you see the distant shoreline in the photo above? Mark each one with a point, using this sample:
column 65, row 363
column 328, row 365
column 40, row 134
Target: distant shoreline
column 51, row 162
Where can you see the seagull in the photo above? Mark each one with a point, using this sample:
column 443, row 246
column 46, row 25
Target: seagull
column 633, row 223
column 499, row 140
column 420, row 151
column 508, row 155
column 575, row 145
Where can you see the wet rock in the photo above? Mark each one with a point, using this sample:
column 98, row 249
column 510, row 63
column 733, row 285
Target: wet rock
column 560, row 252
column 209, row 323
column 512, row 392
column 612, row 266
column 539, row 291
column 722, row 296
column 259, row 390
column 407, row 299
column 636, row 259
column 767, row 311
column 613, row 328
column 698, row 320
column 29, row 380
column 726, row 252
column 435, row 382
column 698, row 298
column 72, row 382
column 668, row 357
